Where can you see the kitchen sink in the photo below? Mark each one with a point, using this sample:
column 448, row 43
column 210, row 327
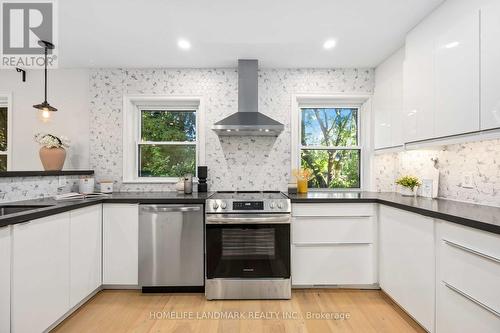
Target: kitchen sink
column 12, row 209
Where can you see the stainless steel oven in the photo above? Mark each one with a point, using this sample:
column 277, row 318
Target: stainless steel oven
column 248, row 246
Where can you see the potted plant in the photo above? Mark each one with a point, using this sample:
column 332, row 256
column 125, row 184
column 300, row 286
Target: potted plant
column 408, row 185
column 52, row 150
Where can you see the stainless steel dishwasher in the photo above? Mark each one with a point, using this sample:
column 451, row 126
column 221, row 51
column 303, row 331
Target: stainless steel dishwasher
column 171, row 256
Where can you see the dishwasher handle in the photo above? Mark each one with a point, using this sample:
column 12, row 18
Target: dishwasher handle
column 169, row 209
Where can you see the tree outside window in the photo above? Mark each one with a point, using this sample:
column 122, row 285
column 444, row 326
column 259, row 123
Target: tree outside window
column 330, row 147
column 168, row 143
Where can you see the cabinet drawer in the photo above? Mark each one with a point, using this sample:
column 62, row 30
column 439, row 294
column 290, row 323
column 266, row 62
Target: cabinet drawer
column 332, row 230
column 459, row 314
column 333, row 265
column 481, row 241
column 475, row 273
column 333, row 209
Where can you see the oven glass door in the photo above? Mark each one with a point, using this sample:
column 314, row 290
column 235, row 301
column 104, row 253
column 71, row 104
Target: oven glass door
column 248, row 250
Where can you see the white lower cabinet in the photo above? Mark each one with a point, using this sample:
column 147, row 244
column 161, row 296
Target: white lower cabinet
column 5, row 243
column 40, row 272
column 120, row 244
column 333, row 244
column 86, row 252
column 468, row 275
column 407, row 262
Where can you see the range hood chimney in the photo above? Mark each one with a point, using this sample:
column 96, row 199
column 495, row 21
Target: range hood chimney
column 248, row 121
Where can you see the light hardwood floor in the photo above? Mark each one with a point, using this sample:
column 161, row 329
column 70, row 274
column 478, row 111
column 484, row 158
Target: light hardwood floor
column 131, row 311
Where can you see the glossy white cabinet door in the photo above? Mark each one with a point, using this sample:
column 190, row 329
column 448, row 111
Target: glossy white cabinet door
column 388, row 102
column 457, row 75
column 120, row 244
column 407, row 262
column 490, row 66
column 418, row 87
column 40, row 273
column 86, row 252
column 382, row 115
column 5, row 242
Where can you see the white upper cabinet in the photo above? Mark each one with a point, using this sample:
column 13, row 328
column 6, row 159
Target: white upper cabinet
column 457, row 75
column 388, row 102
column 441, row 73
column 418, row 86
column 490, row 66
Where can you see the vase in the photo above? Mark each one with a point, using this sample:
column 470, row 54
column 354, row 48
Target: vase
column 52, row 158
column 301, row 185
column 406, row 191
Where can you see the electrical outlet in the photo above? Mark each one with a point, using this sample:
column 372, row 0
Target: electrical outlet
column 467, row 180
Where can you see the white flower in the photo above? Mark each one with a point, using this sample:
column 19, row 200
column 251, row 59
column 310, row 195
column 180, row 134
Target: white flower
column 51, row 141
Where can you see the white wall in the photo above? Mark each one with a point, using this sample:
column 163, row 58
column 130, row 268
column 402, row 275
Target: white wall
column 69, row 92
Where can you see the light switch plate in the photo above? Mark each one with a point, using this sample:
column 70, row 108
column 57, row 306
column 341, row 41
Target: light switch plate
column 467, row 180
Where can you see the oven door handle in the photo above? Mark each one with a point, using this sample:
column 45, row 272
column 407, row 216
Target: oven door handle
column 248, row 219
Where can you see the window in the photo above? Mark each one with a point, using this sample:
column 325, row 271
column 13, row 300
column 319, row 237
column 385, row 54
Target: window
column 168, row 143
column 161, row 138
column 329, row 146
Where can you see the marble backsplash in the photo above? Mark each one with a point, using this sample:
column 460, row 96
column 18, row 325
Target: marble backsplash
column 244, row 163
column 480, row 160
column 26, row 188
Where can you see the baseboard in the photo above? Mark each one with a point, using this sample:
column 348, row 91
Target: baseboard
column 374, row 286
column 175, row 289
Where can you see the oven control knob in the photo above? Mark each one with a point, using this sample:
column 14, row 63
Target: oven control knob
column 271, row 205
column 223, row 205
column 280, row 205
column 215, row 205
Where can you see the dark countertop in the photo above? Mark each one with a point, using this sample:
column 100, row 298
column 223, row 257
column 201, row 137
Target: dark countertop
column 481, row 217
column 56, row 207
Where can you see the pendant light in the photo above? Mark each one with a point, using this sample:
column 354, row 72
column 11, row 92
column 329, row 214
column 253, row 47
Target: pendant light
column 45, row 107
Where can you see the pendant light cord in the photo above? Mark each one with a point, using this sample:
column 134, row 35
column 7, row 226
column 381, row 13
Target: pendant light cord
column 45, row 73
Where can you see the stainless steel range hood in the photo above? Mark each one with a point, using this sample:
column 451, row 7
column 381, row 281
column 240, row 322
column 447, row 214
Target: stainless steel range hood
column 248, row 120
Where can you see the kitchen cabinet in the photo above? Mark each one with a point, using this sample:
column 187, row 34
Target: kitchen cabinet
column 388, row 102
column 120, row 244
column 456, row 55
column 40, row 272
column 490, row 66
column 468, row 269
column 86, row 252
column 441, row 74
column 5, row 254
column 407, row 262
column 333, row 244
column 418, row 85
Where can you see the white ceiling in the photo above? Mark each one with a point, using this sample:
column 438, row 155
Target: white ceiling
column 280, row 33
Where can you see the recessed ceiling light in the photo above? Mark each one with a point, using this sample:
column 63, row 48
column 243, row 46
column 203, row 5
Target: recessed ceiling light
column 329, row 44
column 183, row 44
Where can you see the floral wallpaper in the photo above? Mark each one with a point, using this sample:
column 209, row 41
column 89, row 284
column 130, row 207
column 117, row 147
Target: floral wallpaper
column 244, row 163
column 480, row 160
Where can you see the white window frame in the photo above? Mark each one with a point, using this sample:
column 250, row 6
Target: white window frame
column 362, row 102
column 133, row 105
column 6, row 101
